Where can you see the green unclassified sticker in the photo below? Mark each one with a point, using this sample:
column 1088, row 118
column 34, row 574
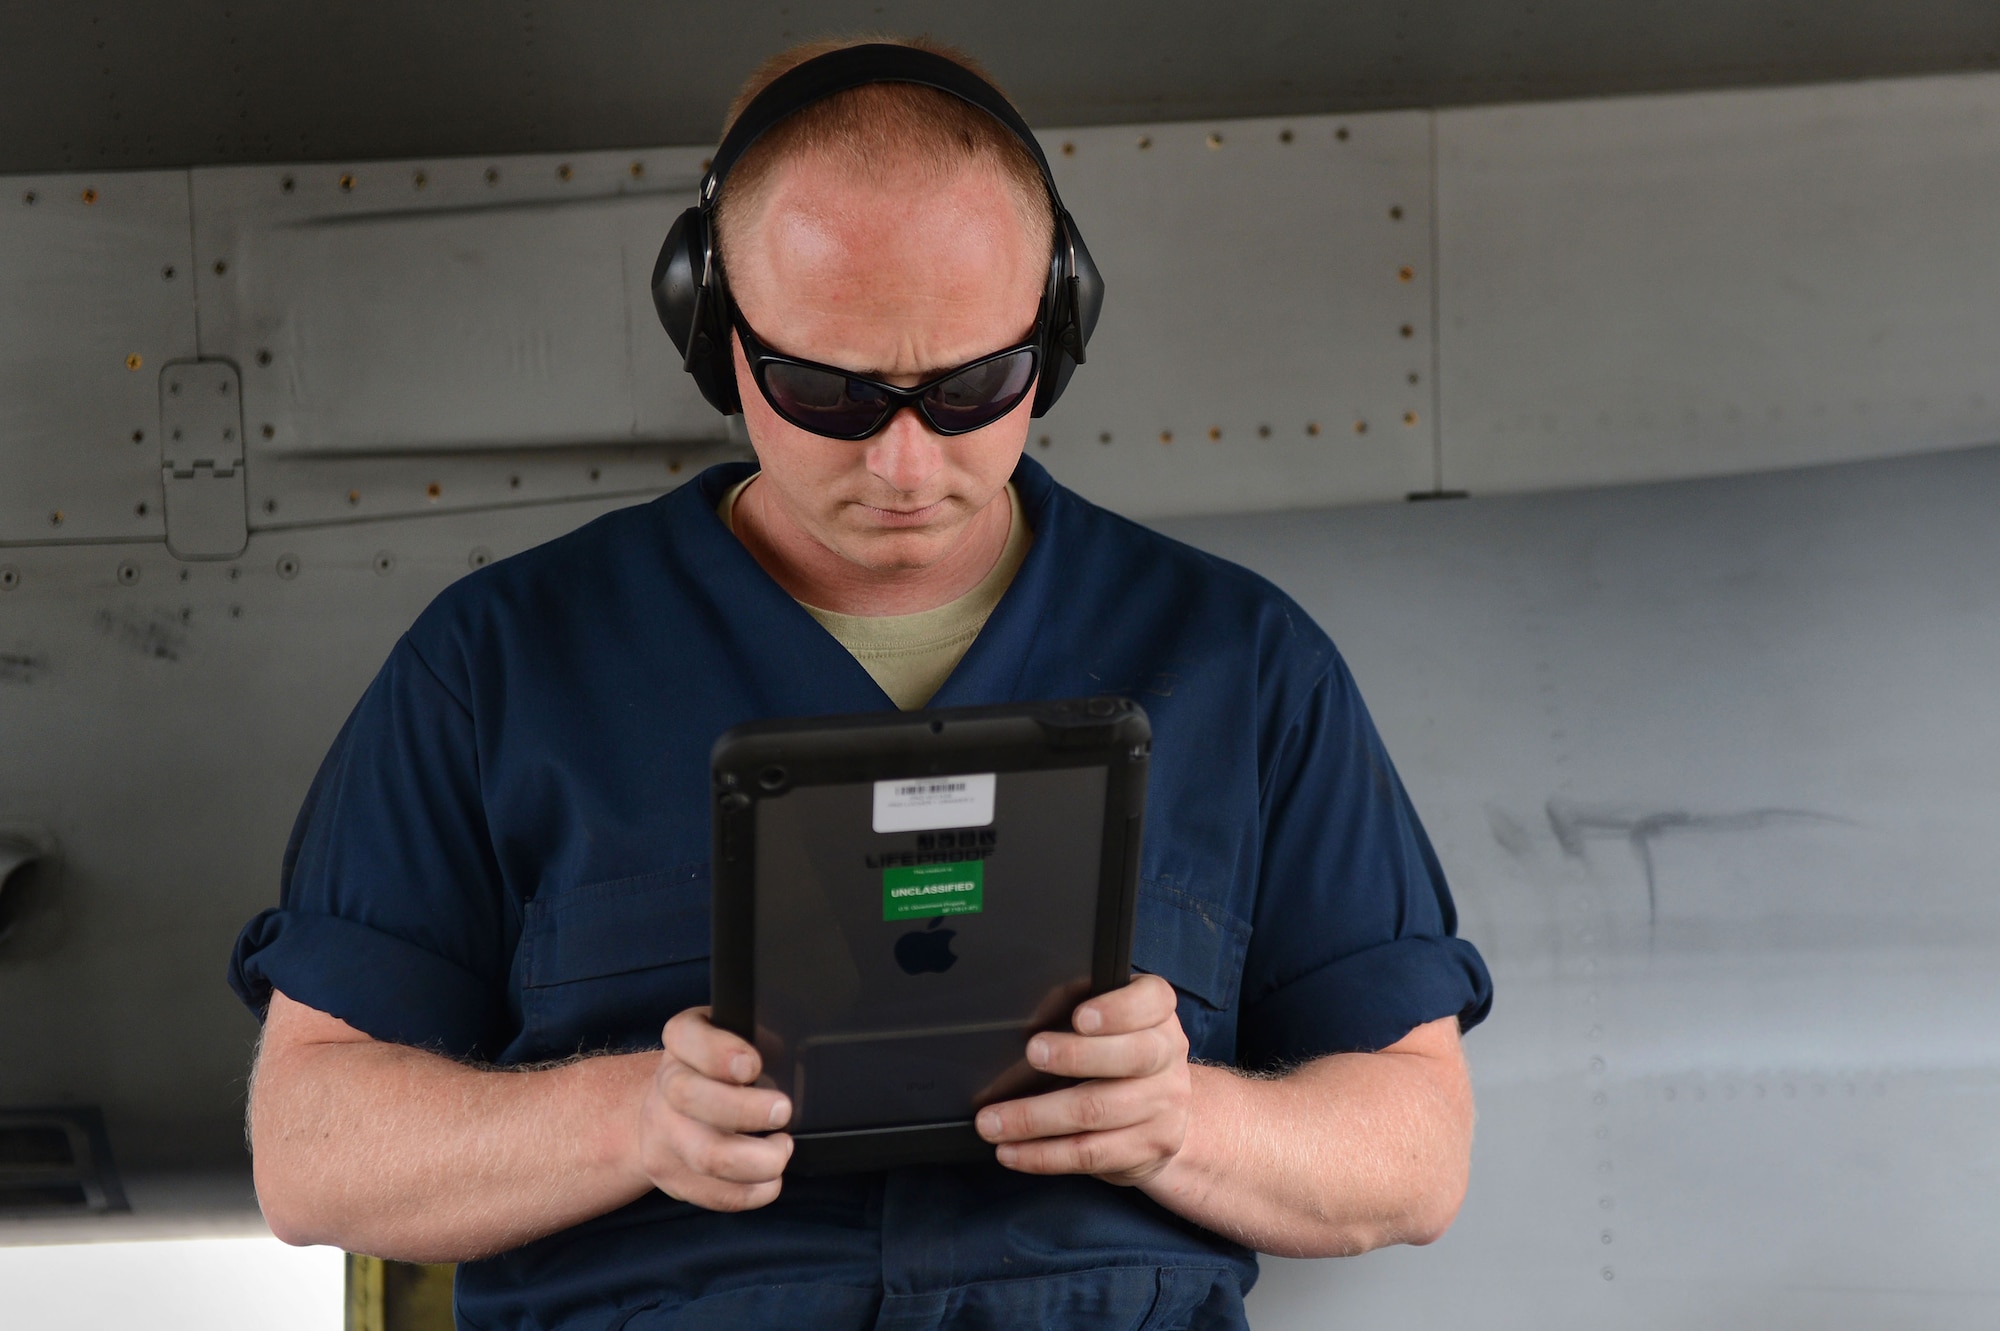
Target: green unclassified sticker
column 934, row 889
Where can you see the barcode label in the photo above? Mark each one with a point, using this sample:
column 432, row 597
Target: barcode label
column 926, row 804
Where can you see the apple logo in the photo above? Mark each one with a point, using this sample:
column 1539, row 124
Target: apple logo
column 927, row 949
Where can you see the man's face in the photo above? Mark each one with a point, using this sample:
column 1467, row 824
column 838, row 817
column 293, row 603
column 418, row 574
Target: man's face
column 898, row 279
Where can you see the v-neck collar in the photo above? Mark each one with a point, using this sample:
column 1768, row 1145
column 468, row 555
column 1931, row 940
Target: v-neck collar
column 796, row 667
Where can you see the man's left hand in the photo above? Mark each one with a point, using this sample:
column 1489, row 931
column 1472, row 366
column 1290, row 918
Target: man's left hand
column 1126, row 1120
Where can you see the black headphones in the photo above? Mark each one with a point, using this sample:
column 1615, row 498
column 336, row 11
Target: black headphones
column 688, row 287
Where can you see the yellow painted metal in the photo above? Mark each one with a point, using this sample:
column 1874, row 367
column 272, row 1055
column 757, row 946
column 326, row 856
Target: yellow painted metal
column 397, row 1296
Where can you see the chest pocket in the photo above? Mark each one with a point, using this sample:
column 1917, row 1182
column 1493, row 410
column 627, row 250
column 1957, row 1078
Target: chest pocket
column 604, row 965
column 1197, row 947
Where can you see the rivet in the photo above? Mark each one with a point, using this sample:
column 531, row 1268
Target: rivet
column 674, row 465
column 28, row 199
column 347, row 183
column 492, row 175
column 1263, row 432
column 1406, row 273
column 1341, row 133
column 1069, row 150
column 480, row 557
column 167, row 273
column 286, row 184
column 1361, row 427
column 432, row 491
column 1215, row 140
column 10, row 578
column 353, row 496
column 419, row 179
column 385, row 563
column 1608, row 1273
column 1284, row 136
column 236, row 612
column 1312, row 427
column 1145, row 141
column 139, row 508
column 134, row 361
column 288, row 567
column 1413, row 376
column 1043, row 441
column 270, row 506
column 1214, row 434
column 565, row 171
column 90, row 196
column 595, row 473
column 1396, row 213
column 270, row 431
column 221, row 267
column 1104, row 437
column 638, row 169
column 1166, row 436
column 128, row 572
column 1409, row 418
column 263, row 357
column 1407, row 330
column 56, row 518
column 513, row 482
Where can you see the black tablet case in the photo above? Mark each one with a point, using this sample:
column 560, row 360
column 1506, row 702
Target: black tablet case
column 891, row 979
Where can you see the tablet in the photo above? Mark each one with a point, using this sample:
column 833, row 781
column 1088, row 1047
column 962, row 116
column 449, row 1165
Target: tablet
column 902, row 899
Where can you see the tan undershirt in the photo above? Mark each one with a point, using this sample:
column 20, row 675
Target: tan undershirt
column 911, row 656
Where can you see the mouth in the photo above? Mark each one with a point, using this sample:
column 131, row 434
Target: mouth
column 902, row 517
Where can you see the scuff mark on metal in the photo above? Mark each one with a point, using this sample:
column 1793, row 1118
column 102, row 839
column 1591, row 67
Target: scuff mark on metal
column 1573, row 824
column 159, row 636
column 1507, row 830
column 21, row 667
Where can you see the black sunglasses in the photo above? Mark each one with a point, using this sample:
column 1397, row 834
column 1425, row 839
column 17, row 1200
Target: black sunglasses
column 840, row 404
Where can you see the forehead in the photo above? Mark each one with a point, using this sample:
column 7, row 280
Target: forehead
column 907, row 263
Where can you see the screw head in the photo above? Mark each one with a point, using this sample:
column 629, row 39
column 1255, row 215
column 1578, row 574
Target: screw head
column 288, row 567
column 10, row 578
column 134, row 361
column 128, row 572
column 90, row 196
column 264, row 356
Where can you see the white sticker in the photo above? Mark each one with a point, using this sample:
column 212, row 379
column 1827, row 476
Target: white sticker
column 928, row 803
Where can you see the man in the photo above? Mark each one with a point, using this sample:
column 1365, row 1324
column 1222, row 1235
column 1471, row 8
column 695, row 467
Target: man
column 497, row 889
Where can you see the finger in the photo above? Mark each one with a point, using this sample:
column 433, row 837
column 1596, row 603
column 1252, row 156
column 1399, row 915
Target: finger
column 722, row 1105
column 728, row 1156
column 1120, row 1157
column 715, row 1195
column 710, row 1050
column 1142, row 1053
column 1097, row 1106
column 1147, row 1000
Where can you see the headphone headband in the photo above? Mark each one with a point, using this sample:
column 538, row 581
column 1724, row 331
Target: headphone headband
column 856, row 67
column 691, row 293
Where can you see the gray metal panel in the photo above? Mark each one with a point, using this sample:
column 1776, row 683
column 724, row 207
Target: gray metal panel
column 159, row 724
column 1266, row 339
column 94, row 298
column 130, row 83
column 1712, row 768
column 1691, row 285
column 448, row 334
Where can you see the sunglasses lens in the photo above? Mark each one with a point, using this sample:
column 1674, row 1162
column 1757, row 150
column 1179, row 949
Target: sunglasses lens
column 981, row 394
column 825, row 403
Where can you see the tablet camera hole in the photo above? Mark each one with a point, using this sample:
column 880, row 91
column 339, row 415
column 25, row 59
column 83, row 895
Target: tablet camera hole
column 772, row 778
column 937, row 727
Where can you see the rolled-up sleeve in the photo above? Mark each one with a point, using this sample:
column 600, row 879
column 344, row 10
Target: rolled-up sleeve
column 392, row 913
column 1353, row 944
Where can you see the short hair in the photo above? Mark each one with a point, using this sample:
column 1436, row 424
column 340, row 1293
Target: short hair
column 875, row 127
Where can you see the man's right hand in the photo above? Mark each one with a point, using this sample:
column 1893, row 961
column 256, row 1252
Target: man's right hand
column 698, row 1114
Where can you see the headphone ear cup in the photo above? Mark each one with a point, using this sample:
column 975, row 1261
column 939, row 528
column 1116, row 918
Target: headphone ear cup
column 1076, row 295
column 693, row 309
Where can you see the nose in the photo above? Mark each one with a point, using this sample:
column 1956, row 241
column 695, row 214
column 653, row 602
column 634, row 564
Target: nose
column 906, row 454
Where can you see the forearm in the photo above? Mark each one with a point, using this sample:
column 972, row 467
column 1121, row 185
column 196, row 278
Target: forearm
column 1348, row 1153
column 399, row 1153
